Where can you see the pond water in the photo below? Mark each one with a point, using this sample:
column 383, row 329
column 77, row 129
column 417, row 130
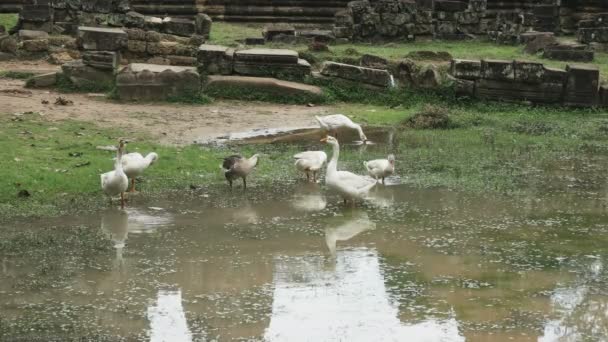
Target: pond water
column 293, row 263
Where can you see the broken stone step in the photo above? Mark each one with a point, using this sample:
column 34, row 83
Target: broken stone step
column 299, row 70
column 102, row 38
column 153, row 82
column 377, row 77
column 107, row 60
column 267, row 56
column 265, row 84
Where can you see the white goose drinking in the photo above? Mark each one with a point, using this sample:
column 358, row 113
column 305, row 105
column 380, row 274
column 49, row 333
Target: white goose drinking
column 134, row 164
column 331, row 123
column 349, row 185
column 310, row 162
column 116, row 182
column 381, row 168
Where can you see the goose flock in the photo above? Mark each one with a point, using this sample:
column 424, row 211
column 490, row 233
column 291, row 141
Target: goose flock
column 350, row 186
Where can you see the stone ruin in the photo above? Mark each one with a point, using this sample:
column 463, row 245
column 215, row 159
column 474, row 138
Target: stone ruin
column 518, row 81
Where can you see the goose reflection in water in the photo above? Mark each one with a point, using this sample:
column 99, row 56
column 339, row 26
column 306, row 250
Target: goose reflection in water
column 353, row 226
column 118, row 223
column 308, row 197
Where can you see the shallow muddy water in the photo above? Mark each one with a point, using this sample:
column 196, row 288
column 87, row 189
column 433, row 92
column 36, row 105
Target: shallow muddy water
column 294, row 264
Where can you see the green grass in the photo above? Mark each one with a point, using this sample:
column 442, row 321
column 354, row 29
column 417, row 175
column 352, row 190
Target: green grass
column 493, row 147
column 19, row 75
column 227, row 33
column 8, row 20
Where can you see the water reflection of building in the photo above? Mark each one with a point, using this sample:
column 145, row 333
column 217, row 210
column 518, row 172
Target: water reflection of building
column 348, row 303
column 168, row 319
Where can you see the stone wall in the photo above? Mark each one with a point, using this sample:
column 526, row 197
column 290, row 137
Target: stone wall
column 520, row 81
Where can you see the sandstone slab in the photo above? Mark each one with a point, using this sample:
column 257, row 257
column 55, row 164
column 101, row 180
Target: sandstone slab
column 582, row 85
column 102, row 38
column 215, row 59
column 83, row 75
column 107, row 60
column 265, row 84
column 150, row 82
column 42, row 81
column 259, row 55
column 465, row 69
column 377, row 77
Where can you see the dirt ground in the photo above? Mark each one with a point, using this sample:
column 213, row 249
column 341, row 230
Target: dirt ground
column 170, row 123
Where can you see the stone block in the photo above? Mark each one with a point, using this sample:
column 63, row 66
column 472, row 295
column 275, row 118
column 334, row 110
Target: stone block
column 46, row 26
column 297, row 70
column 60, row 58
column 569, row 52
column 203, row 25
column 134, row 20
column 36, row 13
column 162, row 48
column 107, row 60
column 529, row 72
column 9, row 44
column 215, row 59
column 255, row 41
column 179, row 26
column 322, row 36
column 375, row 62
column 267, row 56
column 85, row 76
column 263, row 84
column 36, row 45
column 582, row 85
column 182, row 60
column 137, row 46
column 604, row 96
column 465, row 69
column 271, row 31
column 596, row 34
column 497, row 70
column 102, row 38
column 536, row 41
column 29, row 35
column 377, row 77
column 512, row 91
column 42, row 81
column 153, row 36
column 151, row 82
column 553, row 75
column 450, row 6
column 153, row 23
column 136, row 34
column 342, row 31
column 464, row 87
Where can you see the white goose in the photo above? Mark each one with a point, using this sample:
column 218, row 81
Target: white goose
column 381, row 168
column 116, row 182
column 134, row 165
column 331, row 123
column 310, row 161
column 349, row 185
column 237, row 166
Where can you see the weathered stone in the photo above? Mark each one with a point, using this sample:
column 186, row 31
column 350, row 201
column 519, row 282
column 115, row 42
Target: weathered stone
column 153, row 37
column 297, row 70
column 428, row 78
column 179, row 26
column 215, row 59
column 464, row 87
column 85, row 76
column 263, row 84
column 497, row 70
column 604, row 96
column 465, row 69
column 343, row 31
column 137, row 46
column 569, row 52
column 160, row 60
column 355, row 73
column 107, row 60
column 9, row 44
column 280, row 56
column 150, row 82
column 203, row 25
column 60, row 58
column 153, row 23
column 529, row 72
column 42, row 81
column 371, row 61
column 29, row 35
column 271, row 31
column 63, row 41
column 6, row 56
column 162, row 48
column 196, row 40
column 512, row 91
column 536, row 41
column 36, row 45
column 589, row 35
column 182, row 60
column 450, row 6
column 36, row 13
column 284, row 39
column 136, row 34
column 134, row 20
column 46, row 26
column 102, row 38
column 323, row 36
column 582, row 85
column 552, row 75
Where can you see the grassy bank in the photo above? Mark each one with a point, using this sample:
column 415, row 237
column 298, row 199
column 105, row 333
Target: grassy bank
column 8, row 20
column 53, row 168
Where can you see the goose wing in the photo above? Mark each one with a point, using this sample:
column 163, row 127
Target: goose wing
column 231, row 161
column 354, row 181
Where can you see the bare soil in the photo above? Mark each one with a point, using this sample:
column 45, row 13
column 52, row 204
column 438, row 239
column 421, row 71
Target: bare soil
column 173, row 124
